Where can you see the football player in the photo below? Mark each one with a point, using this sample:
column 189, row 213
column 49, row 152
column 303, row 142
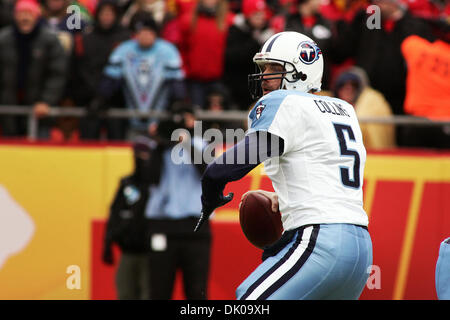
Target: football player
column 313, row 152
column 442, row 275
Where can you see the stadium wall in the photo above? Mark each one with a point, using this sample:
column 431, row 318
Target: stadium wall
column 54, row 201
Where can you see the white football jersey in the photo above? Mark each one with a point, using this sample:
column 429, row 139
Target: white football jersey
column 319, row 176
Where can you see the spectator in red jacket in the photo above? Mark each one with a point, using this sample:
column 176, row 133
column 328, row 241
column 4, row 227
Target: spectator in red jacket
column 203, row 39
column 175, row 10
column 342, row 9
column 179, row 7
column 436, row 13
column 434, row 9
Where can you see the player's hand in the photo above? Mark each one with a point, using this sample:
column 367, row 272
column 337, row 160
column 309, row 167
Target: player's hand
column 208, row 209
column 41, row 109
column 272, row 196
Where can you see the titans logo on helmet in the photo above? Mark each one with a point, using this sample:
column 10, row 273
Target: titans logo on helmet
column 259, row 110
column 309, row 52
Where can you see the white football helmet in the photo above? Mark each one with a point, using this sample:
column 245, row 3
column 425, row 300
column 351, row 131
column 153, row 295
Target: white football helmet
column 298, row 54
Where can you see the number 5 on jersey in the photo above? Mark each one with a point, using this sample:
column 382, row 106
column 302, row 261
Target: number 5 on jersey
column 345, row 176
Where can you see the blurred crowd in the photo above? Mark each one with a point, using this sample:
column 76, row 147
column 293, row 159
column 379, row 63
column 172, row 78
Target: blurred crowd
column 386, row 57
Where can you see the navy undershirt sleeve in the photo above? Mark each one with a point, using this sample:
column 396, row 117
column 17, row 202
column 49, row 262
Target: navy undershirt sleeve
column 236, row 162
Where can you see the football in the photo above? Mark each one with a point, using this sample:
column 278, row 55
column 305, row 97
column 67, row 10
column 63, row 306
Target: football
column 261, row 226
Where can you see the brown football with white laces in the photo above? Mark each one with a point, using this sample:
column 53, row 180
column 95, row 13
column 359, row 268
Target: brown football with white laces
column 261, row 226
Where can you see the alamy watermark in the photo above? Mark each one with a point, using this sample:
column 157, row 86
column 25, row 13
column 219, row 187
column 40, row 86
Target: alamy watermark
column 374, row 19
column 205, row 147
column 73, row 281
column 374, row 280
column 74, row 20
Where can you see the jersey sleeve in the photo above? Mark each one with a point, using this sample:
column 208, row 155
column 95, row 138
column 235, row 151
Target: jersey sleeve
column 272, row 114
column 115, row 63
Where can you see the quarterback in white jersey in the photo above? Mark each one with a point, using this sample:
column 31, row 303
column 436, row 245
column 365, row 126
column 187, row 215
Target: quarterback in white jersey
column 315, row 158
column 318, row 178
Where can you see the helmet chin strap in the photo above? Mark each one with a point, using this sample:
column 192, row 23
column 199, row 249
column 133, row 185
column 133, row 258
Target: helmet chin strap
column 300, row 76
column 296, row 76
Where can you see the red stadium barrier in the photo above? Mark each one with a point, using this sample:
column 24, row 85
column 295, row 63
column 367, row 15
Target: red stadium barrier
column 409, row 217
column 62, row 193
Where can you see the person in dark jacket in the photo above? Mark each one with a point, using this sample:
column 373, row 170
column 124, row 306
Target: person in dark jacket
column 245, row 38
column 127, row 226
column 378, row 51
column 173, row 209
column 6, row 12
column 33, row 67
column 90, row 58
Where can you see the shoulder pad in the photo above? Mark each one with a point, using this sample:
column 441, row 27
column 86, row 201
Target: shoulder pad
column 271, row 101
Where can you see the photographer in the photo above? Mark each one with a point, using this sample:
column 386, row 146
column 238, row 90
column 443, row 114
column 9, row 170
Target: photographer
column 127, row 226
column 173, row 209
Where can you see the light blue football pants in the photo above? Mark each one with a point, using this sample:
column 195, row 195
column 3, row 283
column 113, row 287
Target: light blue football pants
column 443, row 271
column 327, row 261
